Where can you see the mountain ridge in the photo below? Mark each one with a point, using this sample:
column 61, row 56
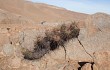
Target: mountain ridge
column 39, row 11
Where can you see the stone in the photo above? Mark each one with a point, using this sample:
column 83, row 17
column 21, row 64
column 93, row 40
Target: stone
column 75, row 51
column 102, row 60
column 96, row 34
column 28, row 37
column 95, row 67
column 8, row 49
column 87, row 66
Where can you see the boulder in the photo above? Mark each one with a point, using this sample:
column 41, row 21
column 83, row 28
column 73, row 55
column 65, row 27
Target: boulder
column 87, row 66
column 102, row 60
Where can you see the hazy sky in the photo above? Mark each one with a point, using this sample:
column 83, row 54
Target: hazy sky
column 84, row 6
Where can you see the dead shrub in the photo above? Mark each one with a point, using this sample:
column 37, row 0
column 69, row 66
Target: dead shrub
column 53, row 39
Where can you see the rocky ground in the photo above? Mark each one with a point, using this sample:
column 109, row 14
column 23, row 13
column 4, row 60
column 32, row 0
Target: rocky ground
column 92, row 54
column 17, row 32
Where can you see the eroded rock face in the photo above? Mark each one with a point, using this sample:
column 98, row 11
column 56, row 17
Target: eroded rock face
column 102, row 60
column 96, row 37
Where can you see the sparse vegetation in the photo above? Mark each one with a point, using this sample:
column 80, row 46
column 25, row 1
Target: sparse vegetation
column 53, row 39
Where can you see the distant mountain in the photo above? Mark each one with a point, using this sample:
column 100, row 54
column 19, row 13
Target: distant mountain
column 39, row 11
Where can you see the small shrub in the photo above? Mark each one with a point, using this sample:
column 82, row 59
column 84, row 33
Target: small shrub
column 53, row 39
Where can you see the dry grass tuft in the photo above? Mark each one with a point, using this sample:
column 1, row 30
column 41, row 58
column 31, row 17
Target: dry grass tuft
column 53, row 39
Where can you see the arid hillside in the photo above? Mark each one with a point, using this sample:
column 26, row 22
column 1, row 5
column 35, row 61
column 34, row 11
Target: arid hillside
column 36, row 36
column 40, row 12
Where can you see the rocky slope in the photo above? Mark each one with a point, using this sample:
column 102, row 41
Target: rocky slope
column 18, row 29
column 39, row 11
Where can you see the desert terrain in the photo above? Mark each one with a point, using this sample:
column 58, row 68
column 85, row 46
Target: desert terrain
column 70, row 40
